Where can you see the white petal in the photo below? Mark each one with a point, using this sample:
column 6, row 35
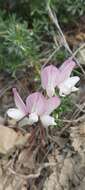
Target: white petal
column 47, row 120
column 50, row 91
column 68, row 86
column 71, row 81
column 64, row 91
column 74, row 89
column 33, row 118
column 15, row 114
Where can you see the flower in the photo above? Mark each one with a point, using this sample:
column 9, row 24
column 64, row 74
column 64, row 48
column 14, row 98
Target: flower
column 67, row 84
column 48, row 79
column 60, row 77
column 21, row 110
column 37, row 106
column 40, row 108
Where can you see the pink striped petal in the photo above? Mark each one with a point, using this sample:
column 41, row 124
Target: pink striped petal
column 48, row 78
column 52, row 104
column 19, row 102
column 66, row 69
column 35, row 103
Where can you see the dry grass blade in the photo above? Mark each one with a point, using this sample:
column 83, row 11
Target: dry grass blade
column 63, row 39
column 32, row 176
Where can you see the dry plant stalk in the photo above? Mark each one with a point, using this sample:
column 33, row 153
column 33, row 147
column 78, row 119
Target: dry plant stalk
column 63, row 39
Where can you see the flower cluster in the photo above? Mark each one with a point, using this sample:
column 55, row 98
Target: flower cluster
column 37, row 107
column 52, row 77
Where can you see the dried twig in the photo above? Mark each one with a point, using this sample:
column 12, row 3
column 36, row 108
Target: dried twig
column 50, row 57
column 77, row 50
column 63, row 39
column 32, row 176
column 55, row 21
column 79, row 119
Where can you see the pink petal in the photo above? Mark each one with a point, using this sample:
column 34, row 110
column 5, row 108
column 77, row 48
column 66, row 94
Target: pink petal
column 66, row 69
column 52, row 104
column 48, row 76
column 19, row 102
column 35, row 103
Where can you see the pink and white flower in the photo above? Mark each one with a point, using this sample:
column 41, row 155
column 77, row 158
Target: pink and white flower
column 40, row 108
column 52, row 76
column 37, row 106
column 20, row 111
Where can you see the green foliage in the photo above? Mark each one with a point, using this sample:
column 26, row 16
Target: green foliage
column 28, row 36
column 65, row 107
column 62, row 55
column 21, row 44
column 68, row 10
column 19, row 40
column 17, row 43
column 28, row 9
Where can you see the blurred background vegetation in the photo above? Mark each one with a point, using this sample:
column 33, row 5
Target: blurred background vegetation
column 27, row 33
